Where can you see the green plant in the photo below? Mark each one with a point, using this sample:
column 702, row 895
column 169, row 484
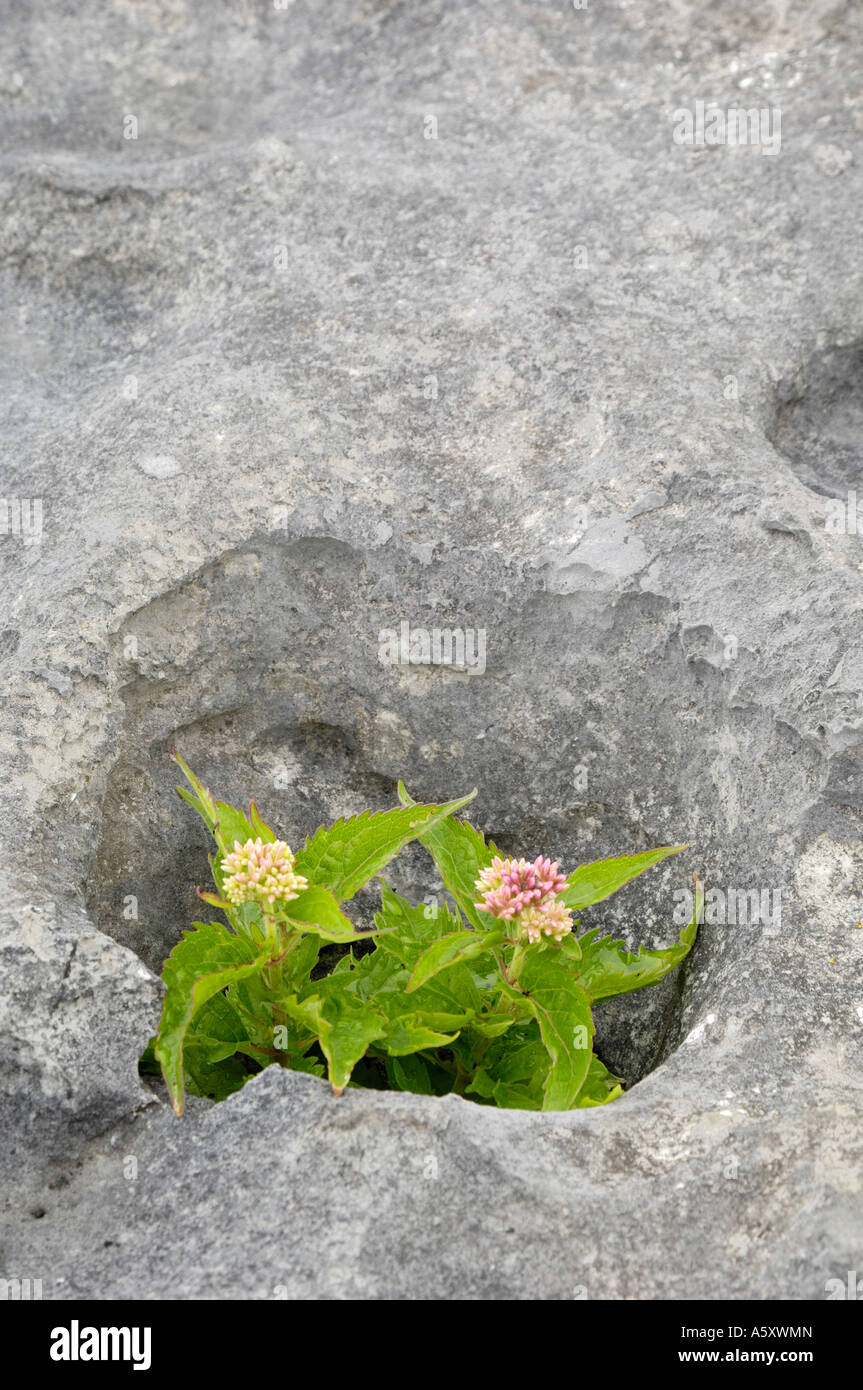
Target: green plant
column 491, row 999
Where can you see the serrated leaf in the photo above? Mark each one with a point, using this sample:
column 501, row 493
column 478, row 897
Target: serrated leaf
column 203, row 962
column 562, row 1010
column 197, row 806
column 310, row 1066
column 593, row 883
column 459, row 852
column 377, row 975
column 432, row 1017
column 453, row 949
column 344, row 1027
column 520, row 1056
column 514, row 1069
column 607, row 968
column 247, row 918
column 225, row 823
column 349, row 853
column 258, row 1000
column 317, row 910
column 438, row 1012
column 408, row 1033
column 215, row 1035
column 481, row 1084
column 450, row 993
column 406, row 932
column 570, row 946
column 217, row 1025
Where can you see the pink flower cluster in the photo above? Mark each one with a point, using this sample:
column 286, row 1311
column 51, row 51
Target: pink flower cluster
column 260, row 873
column 527, row 895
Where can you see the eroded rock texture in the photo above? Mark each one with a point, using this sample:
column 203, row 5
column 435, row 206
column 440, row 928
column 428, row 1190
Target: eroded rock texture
column 321, row 319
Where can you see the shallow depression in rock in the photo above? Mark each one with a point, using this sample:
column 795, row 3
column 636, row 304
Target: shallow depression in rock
column 819, row 420
column 263, row 669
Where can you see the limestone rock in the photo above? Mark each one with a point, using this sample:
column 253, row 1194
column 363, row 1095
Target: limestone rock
column 321, row 320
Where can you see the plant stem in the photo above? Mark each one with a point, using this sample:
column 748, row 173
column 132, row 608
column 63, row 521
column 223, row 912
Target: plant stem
column 516, row 963
column 273, row 976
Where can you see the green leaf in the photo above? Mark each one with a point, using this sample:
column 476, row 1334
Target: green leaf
column 430, row 1018
column 408, row 1033
column 515, row 1097
column 451, row 950
column 492, row 1025
column 562, row 1010
column 260, row 827
column 231, row 826
column 225, row 822
column 258, row 1000
column 607, row 968
column 436, row 1009
column 344, row 1027
column 407, row 931
column 419, row 1074
column 211, row 1067
column 202, row 963
column 299, row 962
column 216, row 1027
column 199, row 798
column 317, row 910
column 593, row 883
column 247, row 919
column 520, row 1056
column 348, row 854
column 459, row 852
column 215, row 901
column 213, row 1080
column 433, row 1015
column 514, row 1069
column 600, row 1086
column 310, row 1066
column 376, row 975
column 410, row 1073
column 569, row 945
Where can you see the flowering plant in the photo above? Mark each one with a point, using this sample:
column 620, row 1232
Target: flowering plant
column 490, row 997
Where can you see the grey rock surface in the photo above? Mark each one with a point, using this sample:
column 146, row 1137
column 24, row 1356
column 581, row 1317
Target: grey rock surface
column 317, row 321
